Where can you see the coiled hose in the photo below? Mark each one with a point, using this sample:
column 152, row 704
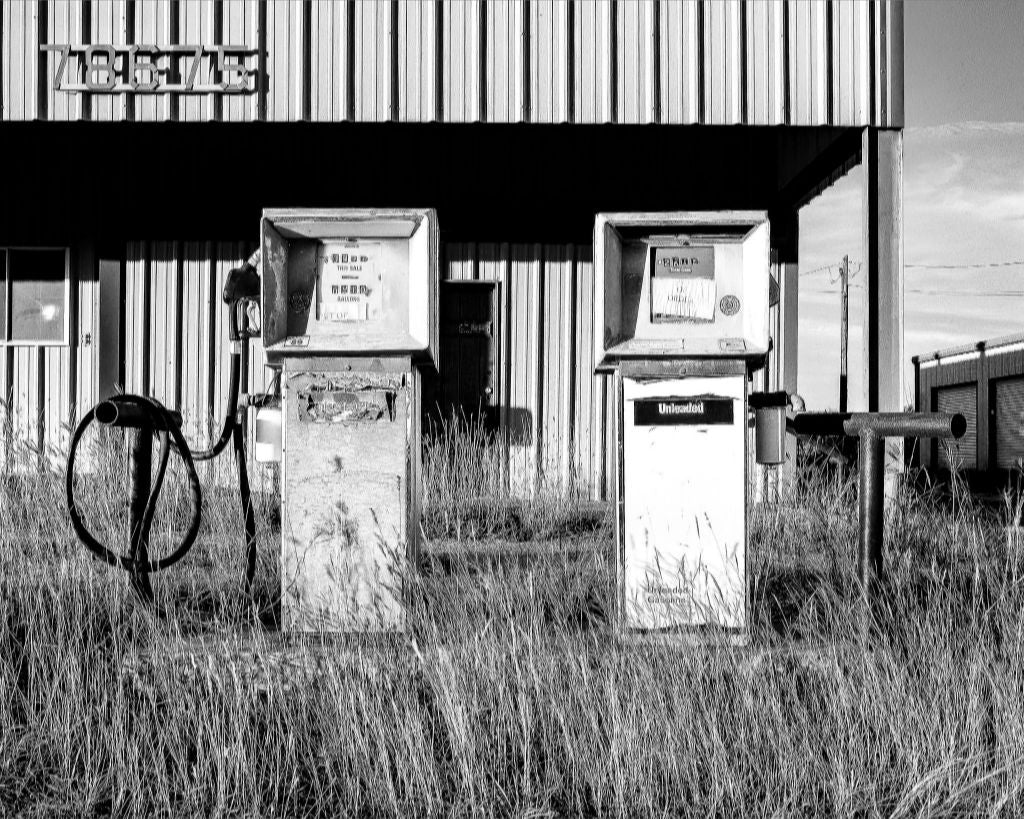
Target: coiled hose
column 150, row 414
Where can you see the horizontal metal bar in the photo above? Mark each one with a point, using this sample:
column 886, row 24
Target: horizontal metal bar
column 883, row 424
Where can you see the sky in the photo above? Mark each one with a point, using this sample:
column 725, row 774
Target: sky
column 963, row 198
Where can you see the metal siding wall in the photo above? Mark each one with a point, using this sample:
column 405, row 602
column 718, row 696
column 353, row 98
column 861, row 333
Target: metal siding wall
column 767, row 68
column 461, row 65
column 552, row 406
column 680, row 63
column 176, row 342
column 417, row 60
column 64, row 25
column 241, row 27
column 826, row 62
column 635, row 61
column 555, row 362
column 373, row 79
column 84, row 366
column 196, row 25
column 153, row 26
column 285, row 83
column 851, row 90
column 19, row 26
column 549, row 60
column 523, row 323
column 1002, row 364
column 807, row 65
column 108, row 25
column 724, row 48
column 593, row 61
column 505, row 60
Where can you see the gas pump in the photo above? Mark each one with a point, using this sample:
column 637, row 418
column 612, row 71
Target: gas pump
column 683, row 302
column 350, row 317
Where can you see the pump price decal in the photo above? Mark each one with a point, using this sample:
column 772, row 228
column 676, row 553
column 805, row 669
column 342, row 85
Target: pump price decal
column 683, row 284
column 350, row 286
column 697, row 410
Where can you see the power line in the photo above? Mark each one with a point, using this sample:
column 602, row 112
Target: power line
column 969, row 266
column 923, row 266
column 928, row 292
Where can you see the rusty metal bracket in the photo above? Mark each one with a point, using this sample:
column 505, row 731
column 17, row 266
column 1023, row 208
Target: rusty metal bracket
column 872, row 428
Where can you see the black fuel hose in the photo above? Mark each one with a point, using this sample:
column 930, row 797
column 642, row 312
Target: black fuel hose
column 160, row 420
column 169, row 436
column 230, row 416
column 233, row 431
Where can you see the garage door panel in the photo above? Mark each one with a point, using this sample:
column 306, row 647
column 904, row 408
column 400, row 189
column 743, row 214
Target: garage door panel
column 962, row 398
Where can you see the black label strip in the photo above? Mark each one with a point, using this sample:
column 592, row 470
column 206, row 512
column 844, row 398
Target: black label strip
column 699, row 410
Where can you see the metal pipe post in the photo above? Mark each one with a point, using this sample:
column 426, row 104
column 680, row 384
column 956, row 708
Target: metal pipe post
column 871, row 463
column 140, row 466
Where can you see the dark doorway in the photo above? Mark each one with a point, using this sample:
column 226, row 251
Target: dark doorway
column 467, row 383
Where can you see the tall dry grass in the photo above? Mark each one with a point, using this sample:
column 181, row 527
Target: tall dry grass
column 510, row 696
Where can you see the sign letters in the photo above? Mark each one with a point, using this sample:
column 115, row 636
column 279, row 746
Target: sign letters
column 698, row 410
column 103, row 68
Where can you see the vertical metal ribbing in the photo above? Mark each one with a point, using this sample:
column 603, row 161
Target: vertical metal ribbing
column 395, row 101
column 538, row 423
column 40, row 419
column 3, row 116
column 570, row 66
column 211, row 258
column 787, row 94
column 830, row 95
column 129, row 38
column 883, row 68
column 574, row 375
column 179, row 319
column 439, row 60
column 702, row 52
column 42, row 86
column 263, row 90
column 527, row 47
column 656, row 52
column 744, row 66
column 307, row 61
column 86, row 38
column 482, row 65
column 147, row 306
column 174, row 35
column 613, row 56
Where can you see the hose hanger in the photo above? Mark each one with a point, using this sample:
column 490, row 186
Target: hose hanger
column 146, row 418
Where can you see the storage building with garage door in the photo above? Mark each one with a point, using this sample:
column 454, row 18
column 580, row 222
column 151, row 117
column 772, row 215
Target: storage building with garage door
column 985, row 382
column 143, row 138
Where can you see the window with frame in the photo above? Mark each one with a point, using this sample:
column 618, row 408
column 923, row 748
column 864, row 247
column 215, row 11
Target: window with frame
column 34, row 292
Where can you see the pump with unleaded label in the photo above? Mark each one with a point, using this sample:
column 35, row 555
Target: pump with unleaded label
column 682, row 299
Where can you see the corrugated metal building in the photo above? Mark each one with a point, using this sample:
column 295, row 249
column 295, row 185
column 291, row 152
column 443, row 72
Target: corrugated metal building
column 142, row 140
column 985, row 382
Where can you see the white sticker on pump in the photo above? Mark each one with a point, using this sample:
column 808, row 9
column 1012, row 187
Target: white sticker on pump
column 350, row 282
column 683, row 284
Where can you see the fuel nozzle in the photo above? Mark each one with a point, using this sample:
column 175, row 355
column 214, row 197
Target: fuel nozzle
column 243, row 283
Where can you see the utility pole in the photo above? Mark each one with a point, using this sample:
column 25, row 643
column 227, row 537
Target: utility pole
column 844, row 278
